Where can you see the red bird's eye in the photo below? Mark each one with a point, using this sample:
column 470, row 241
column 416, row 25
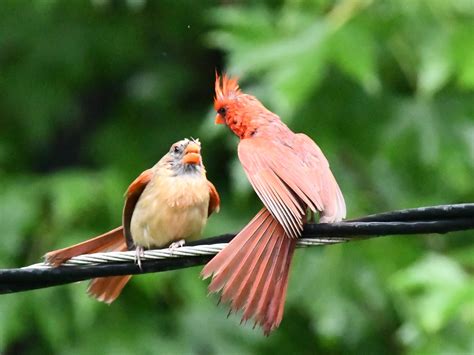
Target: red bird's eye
column 222, row 111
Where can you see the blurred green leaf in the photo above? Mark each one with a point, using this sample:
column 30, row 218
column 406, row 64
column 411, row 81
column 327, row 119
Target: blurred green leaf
column 95, row 92
column 433, row 293
column 436, row 64
column 354, row 51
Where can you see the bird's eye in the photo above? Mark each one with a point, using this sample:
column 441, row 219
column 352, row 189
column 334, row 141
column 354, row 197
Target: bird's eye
column 222, row 111
column 176, row 149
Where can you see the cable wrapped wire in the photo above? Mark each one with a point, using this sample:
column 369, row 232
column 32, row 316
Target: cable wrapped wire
column 435, row 219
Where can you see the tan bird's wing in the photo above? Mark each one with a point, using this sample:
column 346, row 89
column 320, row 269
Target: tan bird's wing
column 132, row 195
column 286, row 175
column 214, row 199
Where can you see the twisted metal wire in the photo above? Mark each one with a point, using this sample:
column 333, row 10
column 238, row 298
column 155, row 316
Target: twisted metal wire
column 167, row 253
column 435, row 219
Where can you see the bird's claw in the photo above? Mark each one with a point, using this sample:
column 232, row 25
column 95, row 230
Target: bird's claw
column 175, row 245
column 139, row 252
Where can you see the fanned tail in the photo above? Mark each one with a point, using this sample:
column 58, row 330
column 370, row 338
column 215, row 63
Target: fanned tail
column 105, row 289
column 252, row 271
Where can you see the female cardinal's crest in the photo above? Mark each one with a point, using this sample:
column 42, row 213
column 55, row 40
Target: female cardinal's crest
column 226, row 87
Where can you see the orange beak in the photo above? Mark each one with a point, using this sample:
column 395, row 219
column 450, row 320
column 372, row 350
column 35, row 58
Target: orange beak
column 219, row 119
column 192, row 154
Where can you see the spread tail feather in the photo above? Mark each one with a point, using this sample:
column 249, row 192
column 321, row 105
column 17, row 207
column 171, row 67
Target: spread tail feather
column 252, row 271
column 104, row 289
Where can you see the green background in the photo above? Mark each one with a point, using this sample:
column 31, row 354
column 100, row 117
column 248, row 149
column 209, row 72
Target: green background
column 94, row 92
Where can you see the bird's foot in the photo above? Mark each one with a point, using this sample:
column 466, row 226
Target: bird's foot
column 175, row 245
column 139, row 253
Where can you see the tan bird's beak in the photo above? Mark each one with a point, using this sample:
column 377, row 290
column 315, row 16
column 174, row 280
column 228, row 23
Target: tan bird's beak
column 219, row 119
column 192, row 154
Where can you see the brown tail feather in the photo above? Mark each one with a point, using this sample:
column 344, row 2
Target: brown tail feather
column 105, row 289
column 252, row 271
column 110, row 241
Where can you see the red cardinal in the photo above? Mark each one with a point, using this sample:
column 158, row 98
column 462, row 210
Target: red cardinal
column 166, row 204
column 290, row 174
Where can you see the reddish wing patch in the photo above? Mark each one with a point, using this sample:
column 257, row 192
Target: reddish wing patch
column 285, row 183
column 318, row 167
column 133, row 194
column 214, row 199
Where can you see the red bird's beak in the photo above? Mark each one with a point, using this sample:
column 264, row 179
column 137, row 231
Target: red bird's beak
column 219, row 119
column 192, row 154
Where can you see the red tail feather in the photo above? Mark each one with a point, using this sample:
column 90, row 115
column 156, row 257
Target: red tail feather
column 105, row 289
column 110, row 241
column 252, row 271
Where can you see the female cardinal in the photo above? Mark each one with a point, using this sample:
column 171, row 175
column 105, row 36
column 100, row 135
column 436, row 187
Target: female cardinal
column 166, row 204
column 290, row 174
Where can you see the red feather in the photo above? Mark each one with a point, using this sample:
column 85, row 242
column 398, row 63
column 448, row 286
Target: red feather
column 214, row 199
column 290, row 174
column 251, row 268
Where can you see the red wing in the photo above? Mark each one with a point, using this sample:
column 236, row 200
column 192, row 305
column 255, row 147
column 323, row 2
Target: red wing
column 333, row 201
column 285, row 177
column 132, row 195
column 214, row 199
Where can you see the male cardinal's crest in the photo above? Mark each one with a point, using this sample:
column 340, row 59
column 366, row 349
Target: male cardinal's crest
column 227, row 90
column 225, row 87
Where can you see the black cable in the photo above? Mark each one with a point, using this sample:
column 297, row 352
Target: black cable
column 423, row 213
column 436, row 219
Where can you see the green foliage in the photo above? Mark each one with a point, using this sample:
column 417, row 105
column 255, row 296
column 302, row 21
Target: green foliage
column 95, row 92
column 435, row 307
